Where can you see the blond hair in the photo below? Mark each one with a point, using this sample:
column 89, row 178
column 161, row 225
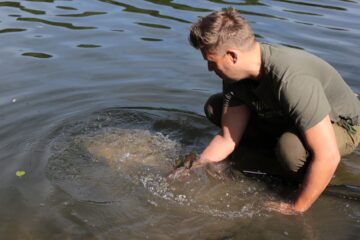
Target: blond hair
column 221, row 28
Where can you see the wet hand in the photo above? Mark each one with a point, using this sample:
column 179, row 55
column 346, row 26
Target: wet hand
column 281, row 207
column 186, row 161
column 182, row 167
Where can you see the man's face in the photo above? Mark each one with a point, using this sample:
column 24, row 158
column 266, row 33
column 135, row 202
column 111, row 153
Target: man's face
column 222, row 64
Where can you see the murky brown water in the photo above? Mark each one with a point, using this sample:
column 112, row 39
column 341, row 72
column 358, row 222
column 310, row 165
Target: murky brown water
column 99, row 98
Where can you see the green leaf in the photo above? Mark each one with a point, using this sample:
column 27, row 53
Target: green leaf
column 20, row 173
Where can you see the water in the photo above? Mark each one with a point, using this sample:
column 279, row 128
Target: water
column 76, row 75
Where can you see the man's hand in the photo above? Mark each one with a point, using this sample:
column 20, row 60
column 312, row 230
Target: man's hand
column 183, row 166
column 281, row 207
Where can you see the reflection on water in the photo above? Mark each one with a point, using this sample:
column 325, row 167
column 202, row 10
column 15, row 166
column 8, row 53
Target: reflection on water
column 99, row 98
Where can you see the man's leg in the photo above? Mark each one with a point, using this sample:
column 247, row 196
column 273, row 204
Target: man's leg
column 293, row 156
column 345, row 174
column 213, row 109
column 346, row 141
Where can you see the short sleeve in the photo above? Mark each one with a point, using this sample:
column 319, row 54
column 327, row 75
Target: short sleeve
column 230, row 100
column 304, row 99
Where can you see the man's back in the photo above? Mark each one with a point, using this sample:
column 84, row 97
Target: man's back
column 300, row 86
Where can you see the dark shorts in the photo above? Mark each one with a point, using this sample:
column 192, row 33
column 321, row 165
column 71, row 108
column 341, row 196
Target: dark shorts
column 277, row 150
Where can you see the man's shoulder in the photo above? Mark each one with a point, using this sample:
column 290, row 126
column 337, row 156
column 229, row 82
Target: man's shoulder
column 275, row 50
column 284, row 56
column 283, row 63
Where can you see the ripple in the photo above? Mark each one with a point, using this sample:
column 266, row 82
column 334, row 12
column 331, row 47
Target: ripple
column 152, row 25
column 252, row 3
column 12, row 30
column 88, row 46
column 178, row 6
column 122, row 152
column 84, row 14
column 114, row 144
column 155, row 13
column 260, row 14
column 21, row 7
column 36, row 55
column 14, row 15
column 57, row 24
column 152, row 39
column 45, row 1
column 334, row 28
column 302, row 13
column 311, row 4
column 66, row 8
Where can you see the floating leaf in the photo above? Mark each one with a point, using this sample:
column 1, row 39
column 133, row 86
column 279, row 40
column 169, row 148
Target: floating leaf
column 20, row 173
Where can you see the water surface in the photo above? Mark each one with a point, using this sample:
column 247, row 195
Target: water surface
column 87, row 85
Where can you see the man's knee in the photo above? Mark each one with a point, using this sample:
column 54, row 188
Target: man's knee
column 213, row 108
column 291, row 153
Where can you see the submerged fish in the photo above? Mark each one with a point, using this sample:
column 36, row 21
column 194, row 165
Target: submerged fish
column 131, row 150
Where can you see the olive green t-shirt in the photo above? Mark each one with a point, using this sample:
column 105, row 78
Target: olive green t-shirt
column 296, row 87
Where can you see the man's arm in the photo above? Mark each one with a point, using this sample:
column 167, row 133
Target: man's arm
column 233, row 121
column 321, row 141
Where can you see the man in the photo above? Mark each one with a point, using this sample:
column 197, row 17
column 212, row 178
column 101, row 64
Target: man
column 293, row 101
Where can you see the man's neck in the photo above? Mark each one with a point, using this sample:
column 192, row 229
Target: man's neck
column 255, row 62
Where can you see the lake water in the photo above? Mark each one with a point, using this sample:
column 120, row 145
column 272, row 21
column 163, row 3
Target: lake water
column 98, row 99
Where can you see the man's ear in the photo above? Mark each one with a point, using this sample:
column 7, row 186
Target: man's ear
column 233, row 55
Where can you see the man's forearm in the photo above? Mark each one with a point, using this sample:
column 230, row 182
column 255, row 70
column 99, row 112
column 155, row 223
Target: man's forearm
column 234, row 121
column 217, row 150
column 318, row 177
